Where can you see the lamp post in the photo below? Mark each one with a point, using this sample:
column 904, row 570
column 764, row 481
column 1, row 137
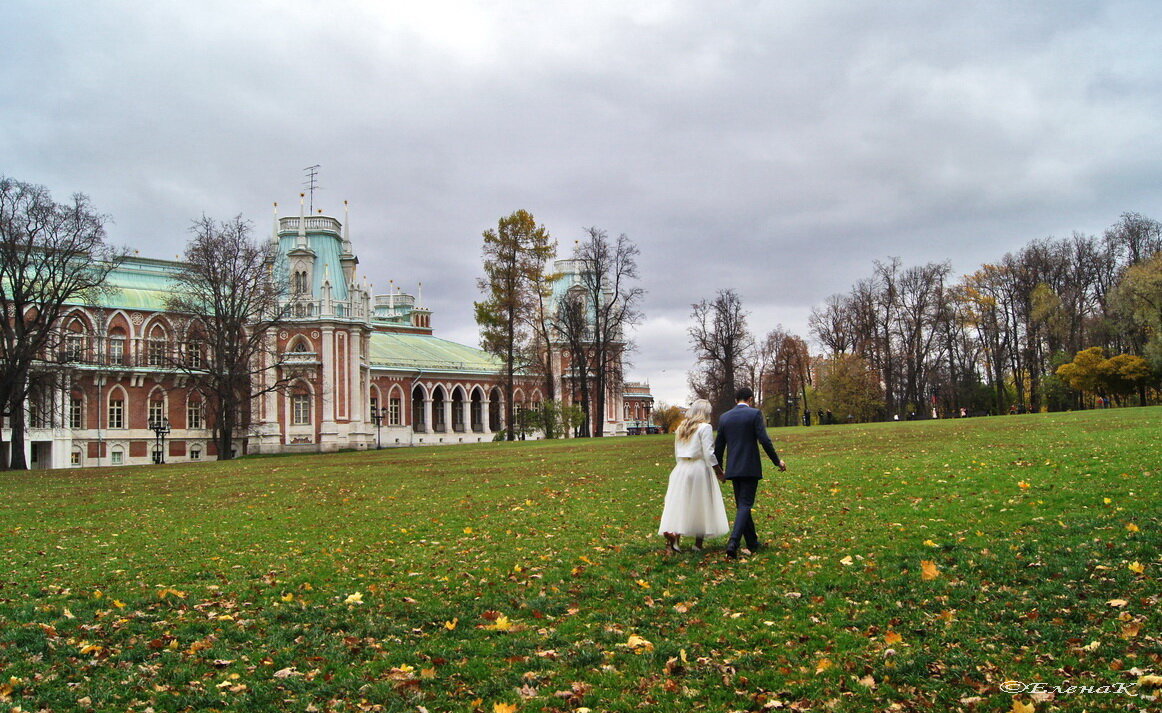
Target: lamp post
column 160, row 427
column 377, row 419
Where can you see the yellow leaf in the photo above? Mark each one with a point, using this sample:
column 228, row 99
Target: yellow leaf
column 97, row 594
column 288, row 597
column 1150, row 680
column 502, row 623
column 928, row 570
column 846, row 560
column 1131, row 630
column 1137, row 567
column 163, row 593
column 1107, row 501
column 468, row 531
column 643, row 584
column 930, row 543
column 451, row 625
column 1131, row 527
column 822, row 665
column 1023, row 485
column 427, row 673
column 356, row 598
column 637, row 643
column 119, row 604
column 1019, row 707
column 892, row 638
column 503, row 708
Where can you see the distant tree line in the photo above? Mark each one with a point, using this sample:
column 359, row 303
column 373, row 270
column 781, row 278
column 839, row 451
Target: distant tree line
column 1060, row 324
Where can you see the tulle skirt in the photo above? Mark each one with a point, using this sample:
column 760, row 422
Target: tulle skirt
column 693, row 501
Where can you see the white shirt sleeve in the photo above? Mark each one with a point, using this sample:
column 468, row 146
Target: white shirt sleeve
column 706, row 435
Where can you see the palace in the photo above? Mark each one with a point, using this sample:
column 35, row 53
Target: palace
column 361, row 370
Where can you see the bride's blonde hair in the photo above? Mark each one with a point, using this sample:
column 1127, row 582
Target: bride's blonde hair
column 696, row 415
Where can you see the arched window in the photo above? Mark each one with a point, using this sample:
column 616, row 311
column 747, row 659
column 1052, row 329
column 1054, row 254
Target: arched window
column 116, row 409
column 157, row 344
column 195, row 412
column 476, row 415
column 301, row 406
column 192, row 350
column 419, row 423
column 458, row 409
column 395, row 407
column 156, row 409
column 117, row 341
column 75, row 340
column 376, row 403
column 439, row 422
column 76, row 409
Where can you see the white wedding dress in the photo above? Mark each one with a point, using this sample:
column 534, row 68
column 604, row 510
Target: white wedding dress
column 694, row 499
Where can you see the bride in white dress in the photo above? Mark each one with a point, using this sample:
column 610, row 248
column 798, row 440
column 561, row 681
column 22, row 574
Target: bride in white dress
column 693, row 499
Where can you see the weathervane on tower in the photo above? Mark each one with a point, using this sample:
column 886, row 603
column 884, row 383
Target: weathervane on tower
column 312, row 183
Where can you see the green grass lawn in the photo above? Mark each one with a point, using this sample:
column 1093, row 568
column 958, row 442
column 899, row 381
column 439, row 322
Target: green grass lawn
column 912, row 566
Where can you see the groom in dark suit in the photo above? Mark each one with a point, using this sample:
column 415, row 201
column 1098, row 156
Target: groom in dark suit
column 740, row 431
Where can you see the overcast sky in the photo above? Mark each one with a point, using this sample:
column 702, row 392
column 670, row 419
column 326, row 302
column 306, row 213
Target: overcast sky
column 777, row 148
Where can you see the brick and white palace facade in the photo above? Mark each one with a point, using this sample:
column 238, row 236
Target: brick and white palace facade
column 362, row 370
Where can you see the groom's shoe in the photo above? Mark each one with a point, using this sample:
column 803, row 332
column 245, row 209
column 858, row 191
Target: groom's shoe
column 732, row 550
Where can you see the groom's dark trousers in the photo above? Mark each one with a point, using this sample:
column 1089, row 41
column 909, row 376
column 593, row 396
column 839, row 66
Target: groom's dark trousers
column 745, row 490
column 741, row 431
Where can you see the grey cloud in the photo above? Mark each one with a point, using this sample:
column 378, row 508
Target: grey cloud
column 776, row 148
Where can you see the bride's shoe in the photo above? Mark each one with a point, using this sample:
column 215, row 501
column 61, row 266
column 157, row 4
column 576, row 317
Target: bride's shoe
column 697, row 545
column 672, row 542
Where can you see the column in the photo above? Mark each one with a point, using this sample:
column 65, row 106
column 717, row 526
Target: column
column 329, row 430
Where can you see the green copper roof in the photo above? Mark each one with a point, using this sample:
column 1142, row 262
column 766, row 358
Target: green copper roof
column 139, row 283
column 143, row 284
column 427, row 353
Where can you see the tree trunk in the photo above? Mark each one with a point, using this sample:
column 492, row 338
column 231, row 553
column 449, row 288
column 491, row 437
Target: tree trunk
column 587, row 421
column 16, row 422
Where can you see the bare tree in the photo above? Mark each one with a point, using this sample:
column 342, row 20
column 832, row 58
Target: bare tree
column 1134, row 238
column 231, row 301
column 541, row 283
column 721, row 343
column 832, row 325
column 51, row 254
column 788, row 376
column 573, row 328
column 608, row 269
